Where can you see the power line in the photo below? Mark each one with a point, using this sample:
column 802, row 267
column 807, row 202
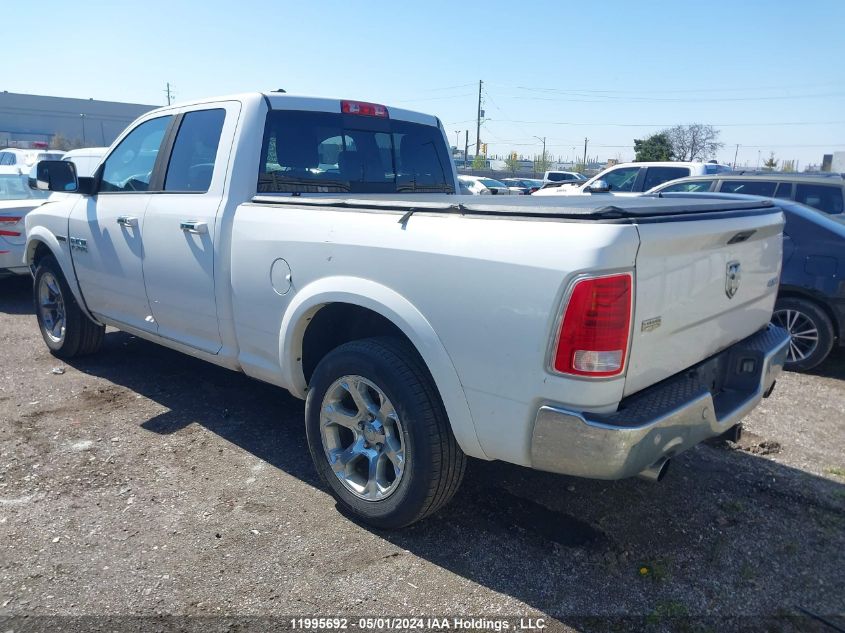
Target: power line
column 664, row 124
column 650, row 91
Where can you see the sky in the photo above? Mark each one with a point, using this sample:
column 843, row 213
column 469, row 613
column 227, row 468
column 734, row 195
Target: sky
column 770, row 75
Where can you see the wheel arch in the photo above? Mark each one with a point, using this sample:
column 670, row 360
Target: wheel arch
column 41, row 242
column 392, row 313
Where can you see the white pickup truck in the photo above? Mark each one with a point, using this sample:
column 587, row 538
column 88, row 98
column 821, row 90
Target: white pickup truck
column 315, row 244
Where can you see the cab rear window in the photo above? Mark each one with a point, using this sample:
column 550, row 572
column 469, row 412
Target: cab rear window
column 324, row 152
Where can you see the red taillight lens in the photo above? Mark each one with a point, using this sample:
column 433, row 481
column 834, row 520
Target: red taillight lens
column 594, row 331
column 10, row 233
column 363, row 108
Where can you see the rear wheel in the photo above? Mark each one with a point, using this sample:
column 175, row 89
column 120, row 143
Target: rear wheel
column 810, row 330
column 379, row 435
column 66, row 330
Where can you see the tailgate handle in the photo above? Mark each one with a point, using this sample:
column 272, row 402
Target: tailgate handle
column 742, row 236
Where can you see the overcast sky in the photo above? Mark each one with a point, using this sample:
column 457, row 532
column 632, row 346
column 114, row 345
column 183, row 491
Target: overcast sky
column 769, row 74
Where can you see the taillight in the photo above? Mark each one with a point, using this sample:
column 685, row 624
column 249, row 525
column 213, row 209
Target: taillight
column 6, row 219
column 594, row 331
column 363, row 108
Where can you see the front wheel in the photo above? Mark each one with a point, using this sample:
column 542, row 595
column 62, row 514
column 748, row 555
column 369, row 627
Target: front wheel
column 810, row 330
column 66, row 329
column 378, row 433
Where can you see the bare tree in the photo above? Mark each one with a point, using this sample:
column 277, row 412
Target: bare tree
column 696, row 141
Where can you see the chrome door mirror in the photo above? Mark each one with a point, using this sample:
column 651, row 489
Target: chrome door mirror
column 599, row 186
column 54, row 175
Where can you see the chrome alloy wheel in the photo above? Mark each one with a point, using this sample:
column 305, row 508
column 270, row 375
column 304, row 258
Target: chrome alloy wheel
column 803, row 333
column 362, row 438
column 51, row 307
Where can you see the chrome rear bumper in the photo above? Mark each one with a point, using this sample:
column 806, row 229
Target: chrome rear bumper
column 661, row 421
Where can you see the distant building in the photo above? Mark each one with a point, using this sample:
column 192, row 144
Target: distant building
column 32, row 120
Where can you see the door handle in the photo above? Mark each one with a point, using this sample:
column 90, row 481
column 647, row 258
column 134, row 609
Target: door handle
column 192, row 226
column 127, row 221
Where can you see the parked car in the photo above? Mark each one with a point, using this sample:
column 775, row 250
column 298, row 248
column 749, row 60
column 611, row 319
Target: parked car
column 16, row 200
column 271, row 234
column 86, row 159
column 482, row 186
column 26, row 158
column 811, row 295
column 826, row 193
column 563, row 176
column 633, row 178
column 524, row 186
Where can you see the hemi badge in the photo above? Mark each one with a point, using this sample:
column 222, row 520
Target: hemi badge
column 651, row 324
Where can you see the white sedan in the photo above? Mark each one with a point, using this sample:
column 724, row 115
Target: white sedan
column 16, row 200
column 482, row 186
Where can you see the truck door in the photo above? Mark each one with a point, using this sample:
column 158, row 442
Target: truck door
column 106, row 230
column 180, row 226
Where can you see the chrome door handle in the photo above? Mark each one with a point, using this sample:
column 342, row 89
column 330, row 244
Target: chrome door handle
column 192, row 226
column 127, row 221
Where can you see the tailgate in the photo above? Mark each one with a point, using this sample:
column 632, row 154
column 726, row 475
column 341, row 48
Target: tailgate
column 701, row 285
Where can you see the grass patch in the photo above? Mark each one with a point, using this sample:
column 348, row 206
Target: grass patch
column 666, row 610
column 836, row 470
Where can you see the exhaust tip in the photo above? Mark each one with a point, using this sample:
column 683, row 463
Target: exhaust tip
column 657, row 471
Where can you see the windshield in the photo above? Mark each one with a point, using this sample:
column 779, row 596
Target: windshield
column 324, row 152
column 489, row 182
column 15, row 187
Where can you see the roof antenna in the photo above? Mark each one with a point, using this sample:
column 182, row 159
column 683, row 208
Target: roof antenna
column 279, row 90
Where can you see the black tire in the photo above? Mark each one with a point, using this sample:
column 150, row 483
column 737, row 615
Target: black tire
column 800, row 316
column 433, row 462
column 79, row 334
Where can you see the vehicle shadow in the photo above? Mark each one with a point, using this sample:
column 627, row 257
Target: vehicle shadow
column 833, row 366
column 727, row 533
column 16, row 295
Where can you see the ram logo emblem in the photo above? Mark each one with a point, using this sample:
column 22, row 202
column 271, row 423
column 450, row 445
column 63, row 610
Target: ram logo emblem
column 732, row 278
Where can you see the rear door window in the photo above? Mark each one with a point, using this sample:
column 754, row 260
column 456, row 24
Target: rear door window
column 325, row 152
column 784, row 190
column 658, row 175
column 749, row 187
column 194, row 152
column 828, row 198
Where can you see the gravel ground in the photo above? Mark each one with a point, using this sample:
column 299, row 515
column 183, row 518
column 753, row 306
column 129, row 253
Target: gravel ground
column 143, row 482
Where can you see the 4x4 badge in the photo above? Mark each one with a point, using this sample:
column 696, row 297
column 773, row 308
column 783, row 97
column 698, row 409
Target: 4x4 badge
column 732, row 277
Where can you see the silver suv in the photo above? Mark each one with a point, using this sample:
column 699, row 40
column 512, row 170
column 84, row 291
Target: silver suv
column 825, row 192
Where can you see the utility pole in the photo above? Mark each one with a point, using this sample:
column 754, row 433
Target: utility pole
column 758, row 161
column 457, row 138
column 169, row 93
column 82, row 117
column 545, row 166
column 466, row 147
column 585, row 151
column 735, row 154
column 478, row 121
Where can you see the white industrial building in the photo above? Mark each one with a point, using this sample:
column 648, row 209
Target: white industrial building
column 33, row 120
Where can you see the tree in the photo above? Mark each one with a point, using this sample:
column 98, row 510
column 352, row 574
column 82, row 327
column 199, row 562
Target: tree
column 696, row 141
column 512, row 163
column 479, row 162
column 655, row 147
column 788, row 166
column 771, row 163
column 60, row 141
column 542, row 162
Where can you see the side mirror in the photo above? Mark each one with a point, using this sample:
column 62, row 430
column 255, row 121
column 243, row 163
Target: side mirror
column 599, row 186
column 55, row 175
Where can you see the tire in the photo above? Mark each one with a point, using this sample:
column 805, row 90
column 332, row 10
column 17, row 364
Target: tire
column 810, row 328
column 387, row 455
column 66, row 330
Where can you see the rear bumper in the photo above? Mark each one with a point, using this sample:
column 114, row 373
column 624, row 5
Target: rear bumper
column 661, row 421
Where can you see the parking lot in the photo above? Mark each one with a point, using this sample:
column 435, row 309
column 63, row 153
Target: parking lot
column 141, row 481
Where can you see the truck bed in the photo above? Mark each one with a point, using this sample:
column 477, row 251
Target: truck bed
column 566, row 208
